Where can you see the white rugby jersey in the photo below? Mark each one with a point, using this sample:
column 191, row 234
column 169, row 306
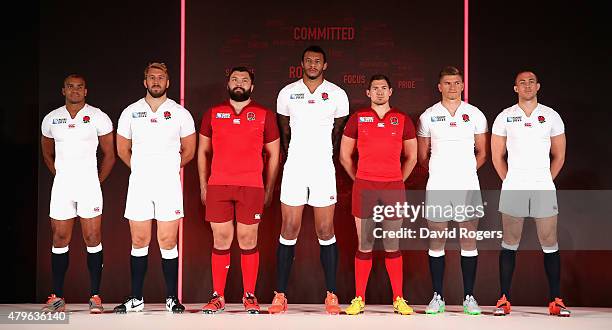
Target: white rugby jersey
column 528, row 138
column 312, row 119
column 452, row 138
column 156, row 136
column 76, row 140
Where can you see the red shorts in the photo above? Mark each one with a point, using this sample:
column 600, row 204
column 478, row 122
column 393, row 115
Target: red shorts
column 226, row 203
column 368, row 194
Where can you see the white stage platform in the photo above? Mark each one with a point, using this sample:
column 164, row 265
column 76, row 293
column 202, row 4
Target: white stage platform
column 311, row 317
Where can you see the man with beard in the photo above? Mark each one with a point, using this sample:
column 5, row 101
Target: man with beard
column 234, row 134
column 533, row 136
column 155, row 138
column 311, row 114
column 70, row 137
column 381, row 135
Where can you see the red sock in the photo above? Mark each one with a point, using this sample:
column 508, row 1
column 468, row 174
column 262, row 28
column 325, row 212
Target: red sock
column 393, row 261
column 363, row 265
column 220, row 262
column 249, row 262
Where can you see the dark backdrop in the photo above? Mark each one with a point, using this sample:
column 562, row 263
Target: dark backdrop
column 111, row 43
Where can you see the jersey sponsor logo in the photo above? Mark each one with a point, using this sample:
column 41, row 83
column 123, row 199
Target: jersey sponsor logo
column 527, row 124
column 154, row 120
column 97, row 209
column 71, row 125
column 394, row 121
column 332, row 197
column 237, row 121
column 465, row 118
column 86, row 119
column 222, row 115
column 59, row 121
column 514, row 119
column 541, row 119
column 366, row 119
column 177, row 212
column 250, row 116
column 257, row 216
column 311, row 101
column 453, row 124
column 437, row 118
column 382, row 125
column 296, row 96
column 139, row 114
column 325, row 96
column 167, row 115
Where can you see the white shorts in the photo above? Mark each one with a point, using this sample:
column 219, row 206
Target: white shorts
column 525, row 196
column 75, row 194
column 154, row 197
column 453, row 198
column 315, row 187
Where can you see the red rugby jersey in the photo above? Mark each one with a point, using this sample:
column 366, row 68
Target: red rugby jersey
column 237, row 142
column 380, row 143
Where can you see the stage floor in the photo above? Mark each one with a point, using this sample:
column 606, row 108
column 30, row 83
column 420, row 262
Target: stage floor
column 311, row 317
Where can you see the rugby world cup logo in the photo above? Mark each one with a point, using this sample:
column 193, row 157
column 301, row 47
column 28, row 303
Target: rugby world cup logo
column 541, row 119
column 167, row 115
column 86, row 119
column 250, row 116
column 394, row 121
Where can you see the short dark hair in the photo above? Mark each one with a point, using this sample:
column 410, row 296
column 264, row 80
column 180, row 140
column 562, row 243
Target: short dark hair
column 243, row 69
column 379, row 77
column 75, row 75
column 450, row 71
column 315, row 49
column 526, row 70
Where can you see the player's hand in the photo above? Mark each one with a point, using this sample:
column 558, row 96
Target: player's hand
column 268, row 197
column 203, row 195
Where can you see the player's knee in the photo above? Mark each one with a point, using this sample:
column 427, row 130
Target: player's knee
column 222, row 241
column 93, row 239
column 167, row 241
column 437, row 244
column 548, row 240
column 247, row 242
column 140, row 241
column 468, row 244
column 511, row 239
column 290, row 230
column 391, row 245
column 61, row 239
column 325, row 232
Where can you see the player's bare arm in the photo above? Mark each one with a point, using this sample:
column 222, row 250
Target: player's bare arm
column 272, row 150
column 188, row 145
column 285, row 134
column 48, row 151
column 423, row 150
column 347, row 148
column 410, row 157
column 498, row 155
column 337, row 132
column 204, row 158
column 124, row 150
column 481, row 148
column 108, row 155
column 557, row 154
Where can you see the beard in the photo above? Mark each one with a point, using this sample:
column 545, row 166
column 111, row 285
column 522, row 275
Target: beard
column 311, row 77
column 239, row 94
column 162, row 91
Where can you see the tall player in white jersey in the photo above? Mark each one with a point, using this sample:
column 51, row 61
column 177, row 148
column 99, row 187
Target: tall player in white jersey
column 533, row 136
column 70, row 138
column 155, row 138
column 452, row 138
column 311, row 114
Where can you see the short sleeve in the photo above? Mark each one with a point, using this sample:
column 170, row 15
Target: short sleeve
column 104, row 125
column 282, row 106
column 409, row 131
column 270, row 128
column 206, row 127
column 342, row 105
column 499, row 125
column 46, row 127
column 423, row 126
column 124, row 127
column 480, row 123
column 556, row 125
column 350, row 130
column 187, row 124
